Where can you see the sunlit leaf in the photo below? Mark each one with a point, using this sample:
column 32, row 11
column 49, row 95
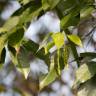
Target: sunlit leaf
column 11, row 23
column 59, row 61
column 24, row 1
column 58, row 39
column 75, row 39
column 3, row 40
column 48, row 47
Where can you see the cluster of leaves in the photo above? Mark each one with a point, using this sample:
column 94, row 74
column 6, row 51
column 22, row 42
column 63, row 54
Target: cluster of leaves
column 70, row 13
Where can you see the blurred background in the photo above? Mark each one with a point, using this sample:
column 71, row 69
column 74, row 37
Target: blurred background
column 36, row 31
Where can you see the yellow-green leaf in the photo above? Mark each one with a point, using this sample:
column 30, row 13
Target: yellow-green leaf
column 66, row 55
column 58, row 39
column 75, row 39
column 51, row 76
column 85, row 72
column 11, row 23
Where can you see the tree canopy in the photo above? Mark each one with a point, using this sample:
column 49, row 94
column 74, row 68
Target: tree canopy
column 73, row 14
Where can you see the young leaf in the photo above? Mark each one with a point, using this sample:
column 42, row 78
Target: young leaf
column 58, row 39
column 75, row 39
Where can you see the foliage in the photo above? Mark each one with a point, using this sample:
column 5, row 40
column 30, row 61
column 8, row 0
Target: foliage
column 70, row 13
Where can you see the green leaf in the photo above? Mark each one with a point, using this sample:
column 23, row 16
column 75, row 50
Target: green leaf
column 65, row 20
column 86, row 11
column 85, row 72
column 24, row 1
column 45, row 4
column 70, row 20
column 3, row 55
column 13, row 54
column 58, row 39
column 51, row 76
column 49, row 3
column 11, row 23
column 30, row 16
column 68, row 12
column 91, row 55
column 23, row 58
column 3, row 40
column 88, row 88
column 53, row 3
column 28, row 12
column 66, row 55
column 59, row 60
column 16, row 37
column 33, row 47
column 65, row 7
column 6, row 31
column 48, row 47
column 75, row 39
column 45, row 40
